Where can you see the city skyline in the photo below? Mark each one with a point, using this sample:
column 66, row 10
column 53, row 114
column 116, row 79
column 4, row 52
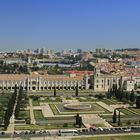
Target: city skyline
column 69, row 24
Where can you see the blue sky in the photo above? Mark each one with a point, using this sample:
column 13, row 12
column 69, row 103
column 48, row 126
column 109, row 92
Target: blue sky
column 62, row 24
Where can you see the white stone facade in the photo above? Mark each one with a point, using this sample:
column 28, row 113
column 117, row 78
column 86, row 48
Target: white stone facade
column 104, row 81
column 42, row 82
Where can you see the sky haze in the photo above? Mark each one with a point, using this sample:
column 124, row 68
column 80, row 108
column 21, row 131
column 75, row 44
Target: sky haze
column 62, row 24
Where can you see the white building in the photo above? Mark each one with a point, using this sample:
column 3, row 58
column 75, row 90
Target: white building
column 37, row 82
column 103, row 81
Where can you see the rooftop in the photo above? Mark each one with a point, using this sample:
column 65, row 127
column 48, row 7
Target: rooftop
column 118, row 68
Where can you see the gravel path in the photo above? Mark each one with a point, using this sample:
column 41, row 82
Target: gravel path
column 32, row 112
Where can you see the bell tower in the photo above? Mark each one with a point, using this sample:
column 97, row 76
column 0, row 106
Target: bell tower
column 97, row 71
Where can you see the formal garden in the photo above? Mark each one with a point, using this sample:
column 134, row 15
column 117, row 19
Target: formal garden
column 59, row 109
column 4, row 99
column 55, row 111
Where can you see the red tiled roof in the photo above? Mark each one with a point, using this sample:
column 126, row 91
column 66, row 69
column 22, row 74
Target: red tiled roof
column 79, row 72
column 119, row 69
column 21, row 77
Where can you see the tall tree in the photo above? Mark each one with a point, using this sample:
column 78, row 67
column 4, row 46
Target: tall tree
column 120, row 95
column 138, row 102
column 19, row 101
column 54, row 91
column 117, row 93
column 76, row 91
column 114, row 89
column 135, row 86
column 112, row 93
column 119, row 119
column 80, row 122
column 108, row 94
column 132, row 96
column 77, row 119
column 127, row 96
column 114, row 117
column 10, row 107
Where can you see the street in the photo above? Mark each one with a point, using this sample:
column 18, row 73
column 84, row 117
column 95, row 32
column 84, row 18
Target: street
column 81, row 133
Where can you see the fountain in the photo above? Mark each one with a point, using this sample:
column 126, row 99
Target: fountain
column 77, row 106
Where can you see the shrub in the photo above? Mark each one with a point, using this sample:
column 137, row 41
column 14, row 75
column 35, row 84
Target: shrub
column 65, row 125
column 128, row 122
column 36, row 98
column 27, row 121
column 100, row 96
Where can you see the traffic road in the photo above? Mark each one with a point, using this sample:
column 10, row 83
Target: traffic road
column 81, row 132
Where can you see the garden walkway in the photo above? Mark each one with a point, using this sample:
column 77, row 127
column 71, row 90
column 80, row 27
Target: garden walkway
column 46, row 110
column 32, row 117
column 11, row 126
column 110, row 108
column 72, row 100
column 94, row 119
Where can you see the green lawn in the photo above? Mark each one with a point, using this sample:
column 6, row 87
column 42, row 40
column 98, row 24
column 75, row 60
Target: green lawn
column 115, row 101
column 4, row 99
column 24, row 114
column 49, row 126
column 46, row 99
column 49, row 123
column 24, row 103
column 2, row 112
column 38, row 115
column 85, row 99
column 35, row 102
column 44, row 93
column 137, row 110
column 68, row 98
column 53, row 108
column 127, row 112
column 61, row 118
column 95, row 109
column 49, row 99
column 107, row 101
column 135, row 137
